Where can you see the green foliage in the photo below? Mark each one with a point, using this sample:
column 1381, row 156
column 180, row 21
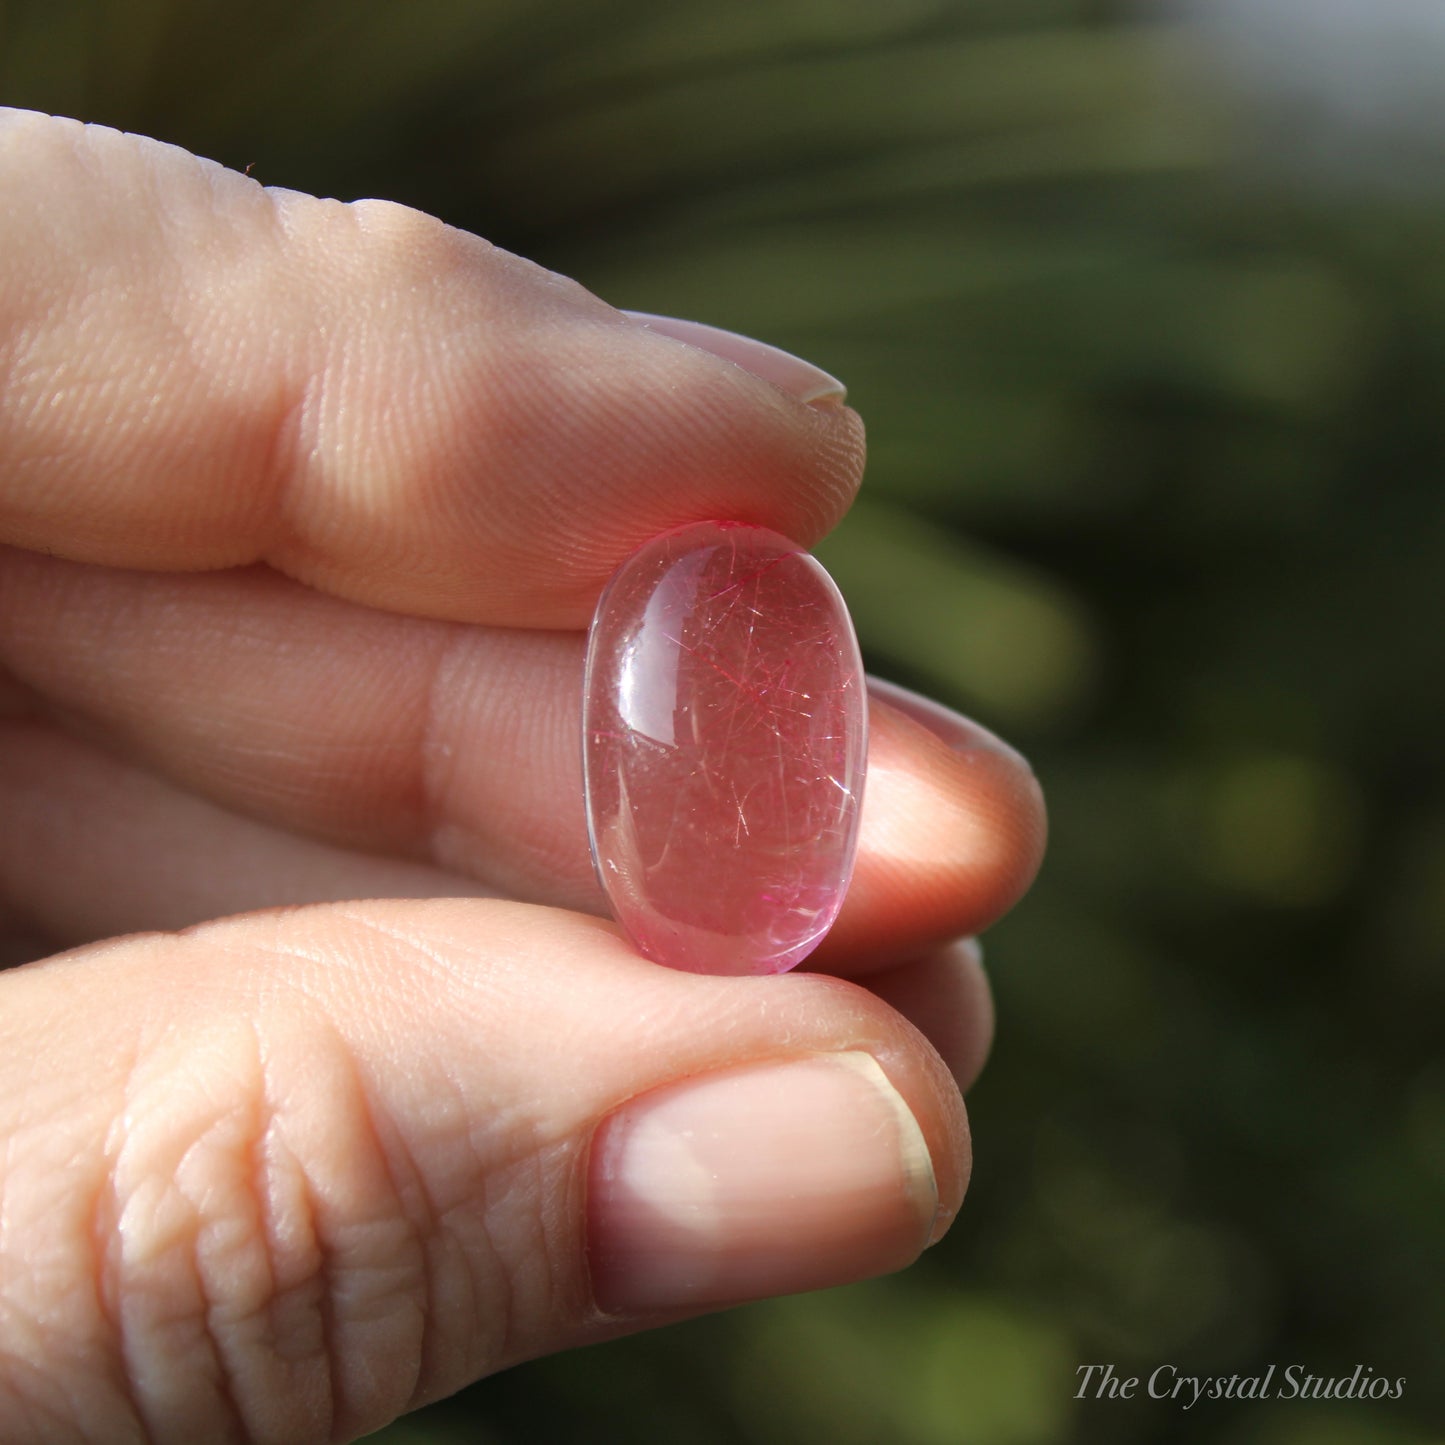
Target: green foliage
column 1155, row 487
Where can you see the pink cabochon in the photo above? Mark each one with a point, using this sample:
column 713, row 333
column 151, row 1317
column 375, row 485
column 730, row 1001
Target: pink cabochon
column 724, row 746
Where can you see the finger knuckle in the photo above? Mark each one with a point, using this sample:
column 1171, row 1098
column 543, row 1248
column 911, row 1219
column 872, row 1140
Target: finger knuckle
column 267, row 1282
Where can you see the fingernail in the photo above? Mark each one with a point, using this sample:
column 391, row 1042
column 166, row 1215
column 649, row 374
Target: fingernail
column 960, row 733
column 800, row 379
column 757, row 1181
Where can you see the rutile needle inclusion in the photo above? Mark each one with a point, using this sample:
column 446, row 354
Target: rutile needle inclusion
column 724, row 748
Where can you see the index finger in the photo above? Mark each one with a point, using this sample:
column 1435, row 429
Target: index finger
column 198, row 373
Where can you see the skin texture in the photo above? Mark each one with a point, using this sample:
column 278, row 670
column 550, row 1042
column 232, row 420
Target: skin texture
column 303, row 508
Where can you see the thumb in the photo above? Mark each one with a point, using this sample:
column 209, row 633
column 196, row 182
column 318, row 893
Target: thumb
column 287, row 1176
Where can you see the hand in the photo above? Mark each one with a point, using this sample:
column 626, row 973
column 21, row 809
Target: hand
column 307, row 505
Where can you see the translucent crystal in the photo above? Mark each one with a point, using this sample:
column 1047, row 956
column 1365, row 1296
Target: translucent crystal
column 724, row 733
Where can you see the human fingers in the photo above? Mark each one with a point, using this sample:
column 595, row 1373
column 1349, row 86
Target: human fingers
column 92, row 847
column 945, row 994
column 287, row 1176
column 81, row 820
column 200, row 373
column 953, row 833
column 454, row 746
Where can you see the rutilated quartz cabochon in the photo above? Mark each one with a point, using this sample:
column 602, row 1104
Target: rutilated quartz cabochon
column 724, row 748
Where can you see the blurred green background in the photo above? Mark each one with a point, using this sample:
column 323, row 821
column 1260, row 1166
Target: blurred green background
column 1155, row 488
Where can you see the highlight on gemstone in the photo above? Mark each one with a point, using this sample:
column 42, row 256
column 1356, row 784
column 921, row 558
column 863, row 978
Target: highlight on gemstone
column 724, row 748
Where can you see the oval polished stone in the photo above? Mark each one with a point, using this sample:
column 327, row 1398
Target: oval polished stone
column 725, row 738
